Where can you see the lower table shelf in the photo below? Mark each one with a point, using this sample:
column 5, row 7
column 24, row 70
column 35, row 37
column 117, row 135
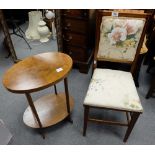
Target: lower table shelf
column 50, row 108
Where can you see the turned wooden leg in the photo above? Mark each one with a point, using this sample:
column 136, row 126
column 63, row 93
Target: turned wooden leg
column 86, row 113
column 34, row 111
column 134, row 118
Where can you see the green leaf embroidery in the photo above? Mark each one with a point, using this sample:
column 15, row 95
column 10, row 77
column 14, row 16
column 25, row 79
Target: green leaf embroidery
column 131, row 36
column 124, row 51
column 119, row 44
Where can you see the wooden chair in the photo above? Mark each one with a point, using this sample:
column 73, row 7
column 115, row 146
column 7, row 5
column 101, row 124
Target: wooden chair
column 152, row 85
column 118, row 39
column 151, row 51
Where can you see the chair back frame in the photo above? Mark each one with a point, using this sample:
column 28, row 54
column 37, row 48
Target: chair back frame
column 99, row 15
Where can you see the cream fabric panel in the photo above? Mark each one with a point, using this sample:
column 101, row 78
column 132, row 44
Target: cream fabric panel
column 119, row 37
column 113, row 89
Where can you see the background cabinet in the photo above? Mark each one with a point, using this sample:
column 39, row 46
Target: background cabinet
column 78, row 36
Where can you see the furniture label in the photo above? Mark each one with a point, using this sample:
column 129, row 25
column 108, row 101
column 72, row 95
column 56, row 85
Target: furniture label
column 59, row 69
column 114, row 14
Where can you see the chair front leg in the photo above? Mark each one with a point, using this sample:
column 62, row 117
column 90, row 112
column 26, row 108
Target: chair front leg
column 134, row 118
column 86, row 113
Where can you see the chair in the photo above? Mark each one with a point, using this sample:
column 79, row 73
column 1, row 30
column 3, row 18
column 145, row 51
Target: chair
column 118, row 39
column 151, row 53
column 152, row 85
column 151, row 64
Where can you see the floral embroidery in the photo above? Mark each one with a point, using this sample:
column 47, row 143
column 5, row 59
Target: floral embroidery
column 119, row 37
column 113, row 89
column 96, row 85
column 134, row 104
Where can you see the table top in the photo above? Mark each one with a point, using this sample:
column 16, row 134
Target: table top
column 37, row 72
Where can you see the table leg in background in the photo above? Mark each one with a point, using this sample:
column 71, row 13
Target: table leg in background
column 67, row 99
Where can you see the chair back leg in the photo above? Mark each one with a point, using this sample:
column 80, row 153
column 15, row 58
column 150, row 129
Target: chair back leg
column 151, row 89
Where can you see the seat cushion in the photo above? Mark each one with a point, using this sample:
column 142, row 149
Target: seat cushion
column 113, row 89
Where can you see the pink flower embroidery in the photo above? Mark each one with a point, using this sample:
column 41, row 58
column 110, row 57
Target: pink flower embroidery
column 131, row 27
column 117, row 34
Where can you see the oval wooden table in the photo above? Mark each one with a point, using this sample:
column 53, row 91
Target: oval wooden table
column 36, row 73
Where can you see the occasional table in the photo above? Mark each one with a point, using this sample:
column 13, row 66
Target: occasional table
column 34, row 74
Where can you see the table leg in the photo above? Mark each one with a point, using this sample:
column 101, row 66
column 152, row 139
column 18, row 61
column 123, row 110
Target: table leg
column 55, row 89
column 67, row 99
column 29, row 98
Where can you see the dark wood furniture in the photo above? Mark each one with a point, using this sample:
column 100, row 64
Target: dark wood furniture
column 99, row 80
column 151, row 51
column 77, row 28
column 142, row 54
column 150, row 39
column 152, row 84
column 148, row 54
column 36, row 73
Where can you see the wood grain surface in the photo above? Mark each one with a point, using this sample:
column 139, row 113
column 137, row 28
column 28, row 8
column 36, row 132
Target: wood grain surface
column 51, row 109
column 37, row 72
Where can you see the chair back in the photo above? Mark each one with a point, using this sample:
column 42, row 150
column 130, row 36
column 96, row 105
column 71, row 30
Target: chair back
column 119, row 36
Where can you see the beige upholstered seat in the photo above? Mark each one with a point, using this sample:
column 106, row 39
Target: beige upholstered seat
column 113, row 89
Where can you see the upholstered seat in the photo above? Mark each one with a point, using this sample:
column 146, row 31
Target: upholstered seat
column 113, row 89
